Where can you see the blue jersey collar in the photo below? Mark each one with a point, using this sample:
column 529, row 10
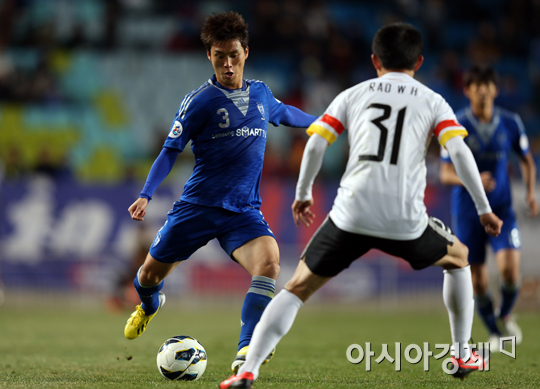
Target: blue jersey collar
column 494, row 118
column 484, row 130
column 215, row 82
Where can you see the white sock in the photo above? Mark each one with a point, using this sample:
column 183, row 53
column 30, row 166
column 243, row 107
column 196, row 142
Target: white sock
column 276, row 320
column 459, row 301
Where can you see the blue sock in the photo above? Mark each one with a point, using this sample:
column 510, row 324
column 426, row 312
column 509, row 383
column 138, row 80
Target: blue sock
column 149, row 295
column 509, row 297
column 259, row 295
column 485, row 309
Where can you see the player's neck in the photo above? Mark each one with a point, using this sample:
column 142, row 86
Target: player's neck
column 484, row 112
column 382, row 71
column 231, row 87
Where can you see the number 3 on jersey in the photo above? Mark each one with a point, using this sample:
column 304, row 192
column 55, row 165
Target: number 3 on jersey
column 225, row 116
column 387, row 111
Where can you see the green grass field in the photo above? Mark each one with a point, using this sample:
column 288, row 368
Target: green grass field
column 74, row 348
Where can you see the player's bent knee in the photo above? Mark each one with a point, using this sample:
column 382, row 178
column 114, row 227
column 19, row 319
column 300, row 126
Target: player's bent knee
column 153, row 272
column 149, row 277
column 267, row 268
column 480, row 287
column 509, row 275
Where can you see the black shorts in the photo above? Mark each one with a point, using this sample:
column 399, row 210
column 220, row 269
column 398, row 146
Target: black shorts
column 332, row 250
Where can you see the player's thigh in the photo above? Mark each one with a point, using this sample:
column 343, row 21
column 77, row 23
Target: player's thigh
column 332, row 250
column 259, row 256
column 436, row 246
column 188, row 227
column 472, row 234
column 304, row 283
column 247, row 238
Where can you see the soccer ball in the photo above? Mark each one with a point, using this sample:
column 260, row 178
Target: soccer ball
column 181, row 358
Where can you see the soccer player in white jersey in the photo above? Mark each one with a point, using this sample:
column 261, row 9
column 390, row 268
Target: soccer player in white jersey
column 390, row 121
column 226, row 120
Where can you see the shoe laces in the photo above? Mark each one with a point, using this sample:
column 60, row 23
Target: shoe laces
column 137, row 316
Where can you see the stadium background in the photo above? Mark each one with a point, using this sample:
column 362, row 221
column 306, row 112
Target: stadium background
column 88, row 90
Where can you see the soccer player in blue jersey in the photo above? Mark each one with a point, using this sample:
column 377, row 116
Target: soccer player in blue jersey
column 493, row 133
column 226, row 120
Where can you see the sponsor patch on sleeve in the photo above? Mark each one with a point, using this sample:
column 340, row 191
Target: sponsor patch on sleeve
column 176, row 130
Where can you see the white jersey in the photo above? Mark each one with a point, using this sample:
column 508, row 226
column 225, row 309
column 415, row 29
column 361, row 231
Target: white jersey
column 390, row 122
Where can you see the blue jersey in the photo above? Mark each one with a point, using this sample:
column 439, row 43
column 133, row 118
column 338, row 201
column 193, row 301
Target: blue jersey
column 227, row 129
column 490, row 144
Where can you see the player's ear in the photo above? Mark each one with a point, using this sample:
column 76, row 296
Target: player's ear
column 466, row 92
column 247, row 51
column 208, row 55
column 496, row 92
column 419, row 62
column 376, row 62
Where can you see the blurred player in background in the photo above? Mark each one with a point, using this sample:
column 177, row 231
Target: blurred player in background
column 226, row 120
column 390, row 121
column 493, row 132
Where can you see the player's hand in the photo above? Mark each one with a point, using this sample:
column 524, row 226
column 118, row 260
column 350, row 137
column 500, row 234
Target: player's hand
column 138, row 209
column 533, row 205
column 488, row 181
column 491, row 223
column 302, row 213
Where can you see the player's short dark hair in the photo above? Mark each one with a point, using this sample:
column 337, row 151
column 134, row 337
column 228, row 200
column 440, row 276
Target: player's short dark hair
column 398, row 46
column 480, row 75
column 224, row 27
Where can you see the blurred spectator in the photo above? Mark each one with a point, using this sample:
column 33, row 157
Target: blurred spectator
column 7, row 75
column 14, row 166
column 433, row 16
column 113, row 13
column 484, row 49
column 56, row 169
column 77, row 38
column 450, row 71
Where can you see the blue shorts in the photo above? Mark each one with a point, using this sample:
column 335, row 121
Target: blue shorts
column 191, row 226
column 469, row 231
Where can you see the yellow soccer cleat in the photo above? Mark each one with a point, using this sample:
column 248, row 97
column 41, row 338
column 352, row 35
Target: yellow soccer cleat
column 241, row 359
column 138, row 321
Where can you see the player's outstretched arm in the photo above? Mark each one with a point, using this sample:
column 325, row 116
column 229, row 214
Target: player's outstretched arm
column 491, row 223
column 160, row 169
column 293, row 117
column 311, row 164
